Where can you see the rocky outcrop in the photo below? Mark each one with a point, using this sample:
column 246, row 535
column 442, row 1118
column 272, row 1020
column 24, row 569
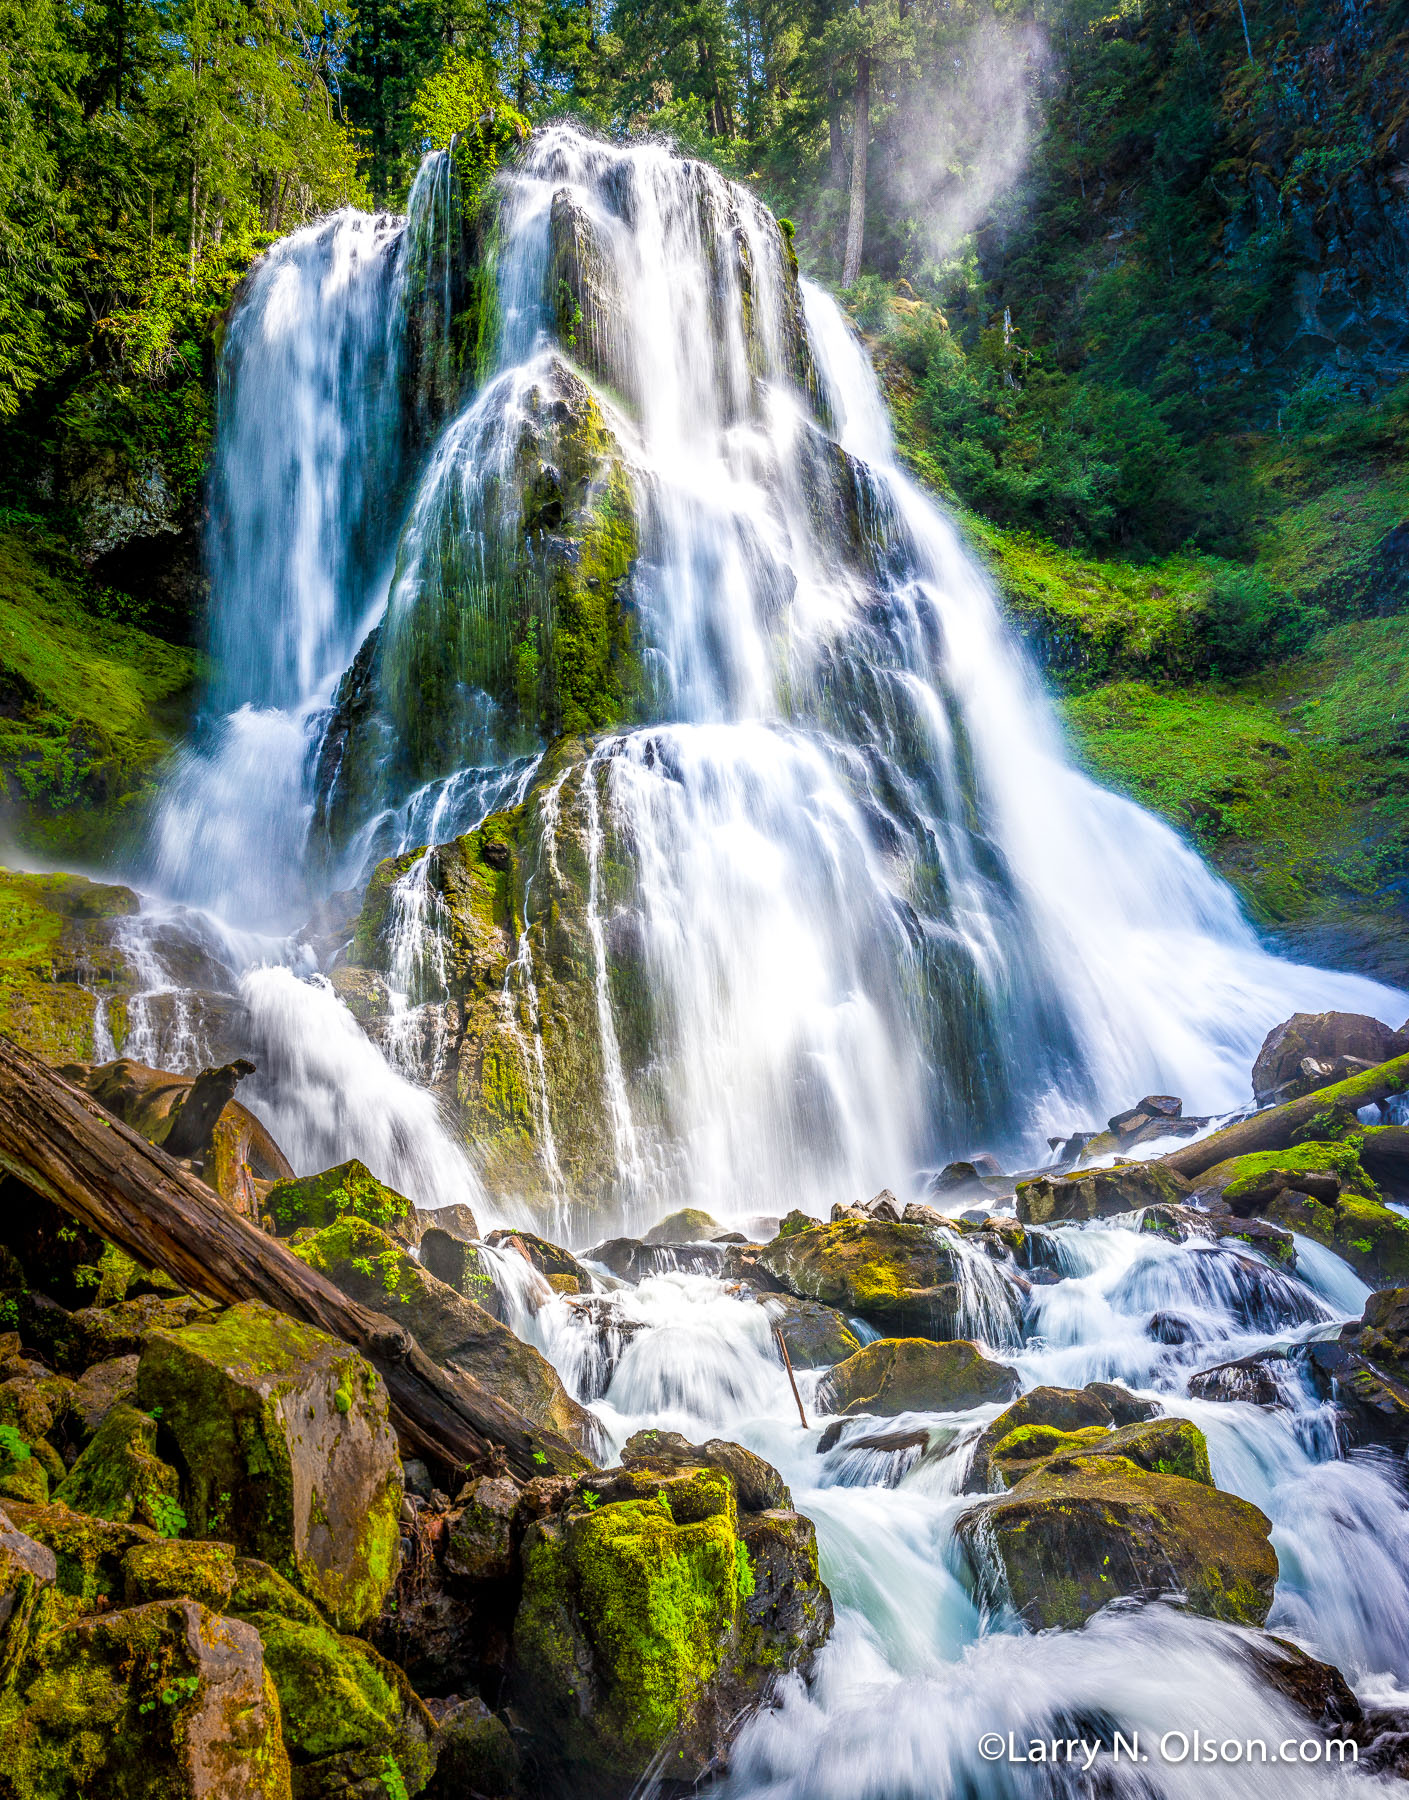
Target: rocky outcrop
column 900, row 1375
column 63, row 979
column 1057, row 1412
column 1085, row 1529
column 1372, row 1238
column 656, row 1611
column 350, row 1190
column 285, row 1448
column 816, row 1336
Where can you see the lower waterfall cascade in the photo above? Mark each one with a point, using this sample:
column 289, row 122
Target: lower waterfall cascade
column 799, row 897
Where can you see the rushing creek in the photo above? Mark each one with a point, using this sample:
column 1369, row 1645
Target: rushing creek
column 881, row 920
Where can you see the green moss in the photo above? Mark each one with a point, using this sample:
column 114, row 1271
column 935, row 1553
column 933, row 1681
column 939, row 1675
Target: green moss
column 89, row 1551
column 1242, row 1175
column 119, row 1475
column 656, row 1584
column 350, row 1190
column 1373, row 1239
column 92, row 704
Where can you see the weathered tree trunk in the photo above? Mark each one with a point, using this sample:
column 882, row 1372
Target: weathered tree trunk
column 836, row 142
column 211, row 1092
column 66, row 1147
column 1273, row 1128
column 860, row 138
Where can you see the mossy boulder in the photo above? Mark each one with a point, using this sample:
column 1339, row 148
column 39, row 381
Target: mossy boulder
column 104, row 1332
column 161, row 1702
column 898, row 1375
column 1086, row 1529
column 816, row 1336
column 450, row 1328
column 285, row 1447
column 98, row 1390
column 1098, row 1193
column 347, row 1711
column 653, row 1617
column 22, row 1475
column 459, row 1265
column 1372, row 1238
column 1058, row 1412
column 477, row 1755
column 559, row 1267
column 688, row 1226
column 119, row 1475
column 351, row 1189
column 897, row 1277
column 27, row 1567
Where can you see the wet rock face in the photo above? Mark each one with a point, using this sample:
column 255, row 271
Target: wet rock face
column 898, row 1375
column 1372, row 1238
column 897, row 1277
column 350, row 1189
column 1312, row 1050
column 655, row 1614
column 169, row 1689
column 1085, row 1529
column 1051, row 1409
column 816, row 1336
column 1098, row 1193
column 59, row 960
column 285, row 1447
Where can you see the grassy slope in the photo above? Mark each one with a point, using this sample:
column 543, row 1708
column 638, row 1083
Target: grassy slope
column 1293, row 780
column 88, row 705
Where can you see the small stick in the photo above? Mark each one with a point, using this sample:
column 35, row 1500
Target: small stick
column 792, row 1379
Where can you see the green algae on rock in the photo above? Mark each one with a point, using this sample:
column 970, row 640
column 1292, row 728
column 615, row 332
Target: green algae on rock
column 1084, row 1529
column 1372, row 1238
column 285, row 1448
column 59, row 963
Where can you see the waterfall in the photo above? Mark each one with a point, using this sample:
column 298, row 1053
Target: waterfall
column 838, row 905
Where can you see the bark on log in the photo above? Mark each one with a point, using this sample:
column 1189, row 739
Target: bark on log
column 1273, row 1128
column 68, row 1148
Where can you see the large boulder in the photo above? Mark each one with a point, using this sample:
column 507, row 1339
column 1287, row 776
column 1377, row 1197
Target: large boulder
column 1162, row 1446
column 285, row 1448
column 1048, row 1408
column 899, row 1278
column 900, row 1375
column 167, row 1701
column 558, row 1267
column 688, row 1226
column 1098, row 1193
column 1085, row 1529
column 1247, row 1185
column 88, row 1552
column 376, row 1272
column 1311, row 1050
column 26, row 1568
column 655, row 1615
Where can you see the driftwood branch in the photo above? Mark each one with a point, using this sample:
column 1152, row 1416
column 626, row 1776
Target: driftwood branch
column 68, row 1148
column 209, row 1094
column 1273, row 1128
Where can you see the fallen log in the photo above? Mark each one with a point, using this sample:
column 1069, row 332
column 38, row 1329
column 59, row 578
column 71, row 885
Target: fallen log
column 69, row 1149
column 1272, row 1129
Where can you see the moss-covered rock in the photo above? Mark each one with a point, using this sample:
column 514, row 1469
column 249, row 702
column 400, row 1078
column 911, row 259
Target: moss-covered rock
column 1098, row 1193
column 98, row 1390
column 214, row 1573
column 1320, row 1167
column 346, row 1710
column 104, row 1332
column 1085, row 1529
column 897, row 1375
column 477, row 1755
column 161, row 1702
column 459, row 1265
column 59, row 963
column 450, row 1328
column 119, row 1476
column 285, row 1447
column 27, row 1568
column 897, row 1277
column 351, row 1189
column 1372, row 1238
column 644, row 1631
